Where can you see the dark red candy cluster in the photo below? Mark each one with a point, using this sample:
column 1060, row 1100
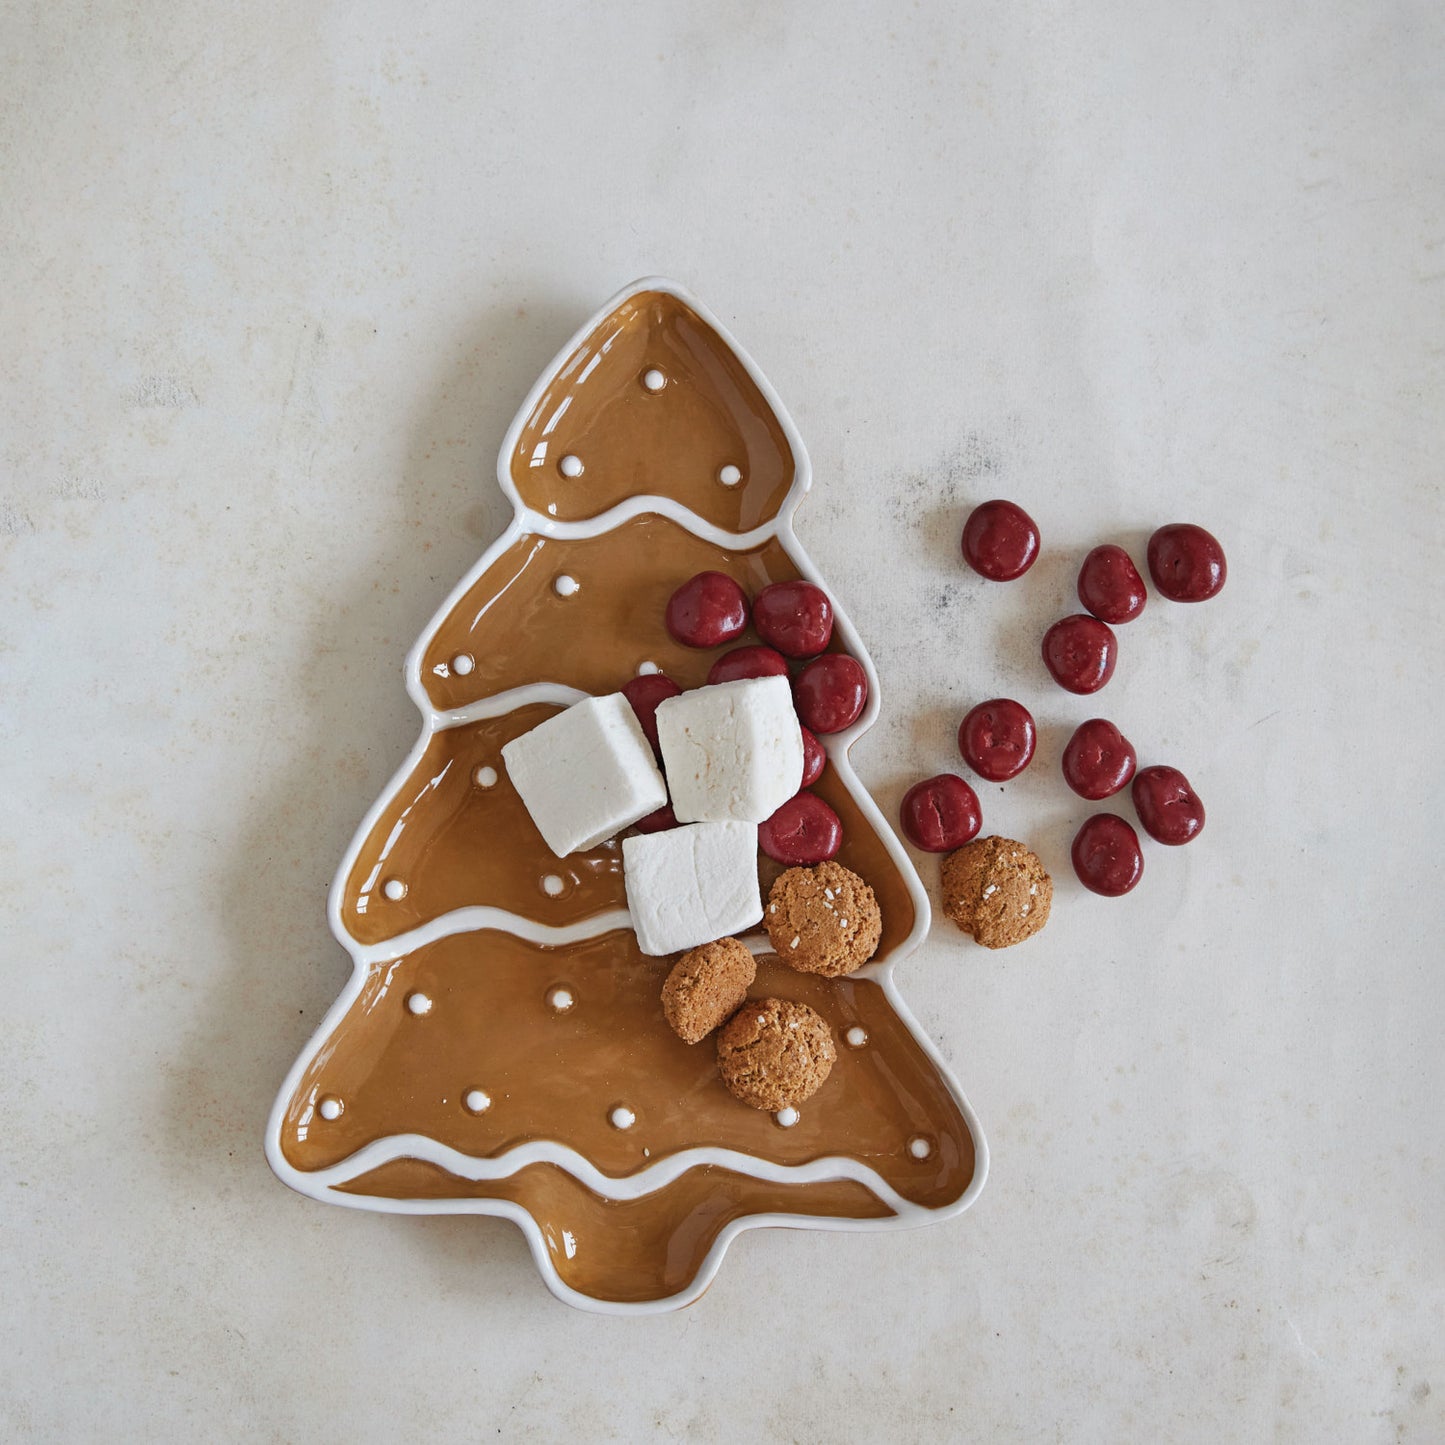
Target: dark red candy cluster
column 997, row 738
column 794, row 622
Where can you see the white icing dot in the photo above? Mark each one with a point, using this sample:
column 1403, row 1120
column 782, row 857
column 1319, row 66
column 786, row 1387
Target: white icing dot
column 787, row 1117
column 478, row 1101
column 570, row 466
column 462, row 664
column 645, row 669
column 856, row 1037
column 418, row 1003
column 653, row 379
column 920, row 1147
column 485, row 777
column 552, row 884
column 330, row 1108
column 730, row 476
column 565, row 586
column 560, row 999
column 622, row 1117
column 394, row 889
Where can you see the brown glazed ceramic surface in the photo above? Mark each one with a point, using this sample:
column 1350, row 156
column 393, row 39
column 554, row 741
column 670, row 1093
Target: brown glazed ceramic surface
column 670, row 443
column 456, row 836
column 624, row 1250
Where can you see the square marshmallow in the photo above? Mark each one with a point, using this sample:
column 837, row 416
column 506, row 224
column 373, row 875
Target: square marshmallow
column 692, row 885
column 731, row 751
column 586, row 773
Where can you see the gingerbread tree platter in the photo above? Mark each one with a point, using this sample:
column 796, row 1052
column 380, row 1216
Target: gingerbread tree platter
column 500, row 1047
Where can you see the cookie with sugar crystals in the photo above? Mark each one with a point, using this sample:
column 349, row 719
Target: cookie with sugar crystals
column 774, row 1053
column 996, row 889
column 823, row 919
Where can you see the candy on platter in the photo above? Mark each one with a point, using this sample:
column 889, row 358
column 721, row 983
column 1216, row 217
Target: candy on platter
column 831, row 692
column 804, row 830
column 794, row 617
column 707, row 610
column 744, row 662
column 586, row 773
column 644, row 692
column 692, row 884
column 657, row 822
column 732, row 750
column 815, row 759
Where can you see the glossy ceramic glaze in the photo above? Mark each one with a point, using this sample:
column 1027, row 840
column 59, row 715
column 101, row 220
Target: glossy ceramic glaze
column 501, row 1020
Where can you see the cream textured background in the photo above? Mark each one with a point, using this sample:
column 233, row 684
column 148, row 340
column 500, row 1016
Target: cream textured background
column 275, row 277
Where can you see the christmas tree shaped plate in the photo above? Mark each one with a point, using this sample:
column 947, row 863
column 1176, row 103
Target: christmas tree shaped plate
column 500, row 1047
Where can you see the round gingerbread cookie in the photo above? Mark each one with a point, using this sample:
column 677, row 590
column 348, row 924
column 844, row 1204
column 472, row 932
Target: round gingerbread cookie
column 823, row 919
column 706, row 985
column 773, row 1053
column 997, row 890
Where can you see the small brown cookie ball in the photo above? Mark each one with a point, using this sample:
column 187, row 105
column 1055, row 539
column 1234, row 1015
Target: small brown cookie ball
column 997, row 890
column 823, row 919
column 773, row 1054
column 705, row 986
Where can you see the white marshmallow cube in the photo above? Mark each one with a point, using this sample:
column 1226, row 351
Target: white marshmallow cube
column 733, row 751
column 692, row 885
column 586, row 773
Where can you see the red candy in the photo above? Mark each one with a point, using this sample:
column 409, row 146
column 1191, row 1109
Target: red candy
column 1098, row 760
column 658, row 822
column 1080, row 652
column 940, row 814
column 644, row 692
column 814, row 759
column 830, row 693
column 1000, row 541
column 1167, row 806
column 1110, row 585
column 744, row 662
column 997, row 739
column 794, row 617
column 1106, row 855
column 707, row 610
column 805, row 830
column 1186, row 562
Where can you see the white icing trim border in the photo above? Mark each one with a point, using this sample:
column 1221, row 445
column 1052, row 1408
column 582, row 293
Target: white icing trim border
column 321, row 1184
column 479, row 916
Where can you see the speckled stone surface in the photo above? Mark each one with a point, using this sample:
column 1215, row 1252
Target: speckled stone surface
column 275, row 278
